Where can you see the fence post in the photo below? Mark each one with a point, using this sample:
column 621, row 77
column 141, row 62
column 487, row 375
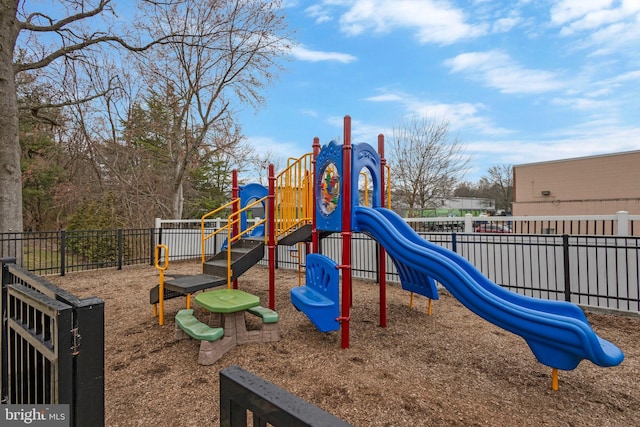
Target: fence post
column 63, row 251
column 567, row 275
column 120, row 248
column 89, row 363
column 468, row 223
column 157, row 227
column 454, row 242
column 623, row 223
column 3, row 335
column 152, row 245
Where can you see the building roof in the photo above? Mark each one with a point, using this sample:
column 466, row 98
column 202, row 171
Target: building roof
column 622, row 153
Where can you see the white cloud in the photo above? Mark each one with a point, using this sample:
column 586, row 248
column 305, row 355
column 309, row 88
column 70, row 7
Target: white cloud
column 625, row 77
column 461, row 116
column 319, row 13
column 304, row 54
column 309, row 113
column 496, row 69
column 387, row 97
column 566, row 11
column 582, row 103
column 504, row 25
column 432, row 21
column 609, row 25
column 579, row 141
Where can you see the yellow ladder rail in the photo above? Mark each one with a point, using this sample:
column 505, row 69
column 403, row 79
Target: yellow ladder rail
column 232, row 220
column 293, row 194
column 204, row 237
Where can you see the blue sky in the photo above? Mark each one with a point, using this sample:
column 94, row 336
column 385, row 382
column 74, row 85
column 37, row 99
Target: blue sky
column 518, row 81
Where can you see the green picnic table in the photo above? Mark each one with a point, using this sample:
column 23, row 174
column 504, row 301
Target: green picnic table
column 227, row 300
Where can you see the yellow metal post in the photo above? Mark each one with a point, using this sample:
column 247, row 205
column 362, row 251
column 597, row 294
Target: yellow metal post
column 554, row 379
column 161, row 269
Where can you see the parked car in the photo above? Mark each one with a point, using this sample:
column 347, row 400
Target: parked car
column 492, row 228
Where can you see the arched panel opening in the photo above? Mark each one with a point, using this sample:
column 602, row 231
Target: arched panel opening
column 365, row 188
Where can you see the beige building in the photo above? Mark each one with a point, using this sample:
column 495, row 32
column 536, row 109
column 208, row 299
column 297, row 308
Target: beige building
column 595, row 185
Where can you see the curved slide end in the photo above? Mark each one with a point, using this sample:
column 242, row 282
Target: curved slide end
column 598, row 350
column 557, row 333
column 612, row 355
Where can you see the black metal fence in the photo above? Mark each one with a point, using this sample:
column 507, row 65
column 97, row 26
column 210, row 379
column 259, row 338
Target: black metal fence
column 620, row 223
column 60, row 252
column 591, row 271
column 601, row 271
column 52, row 346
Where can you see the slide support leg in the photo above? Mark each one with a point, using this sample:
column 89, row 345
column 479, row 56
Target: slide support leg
column 554, row 379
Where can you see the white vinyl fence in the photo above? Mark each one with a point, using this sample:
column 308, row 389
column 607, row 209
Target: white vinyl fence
column 591, row 270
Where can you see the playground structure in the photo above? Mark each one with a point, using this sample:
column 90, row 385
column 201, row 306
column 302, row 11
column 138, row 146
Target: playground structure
column 316, row 196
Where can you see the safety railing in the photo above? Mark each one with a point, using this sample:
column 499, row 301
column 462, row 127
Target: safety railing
column 294, row 194
column 204, row 235
column 232, row 229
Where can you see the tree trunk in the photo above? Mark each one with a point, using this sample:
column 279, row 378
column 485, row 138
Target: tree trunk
column 10, row 173
column 177, row 201
column 177, row 196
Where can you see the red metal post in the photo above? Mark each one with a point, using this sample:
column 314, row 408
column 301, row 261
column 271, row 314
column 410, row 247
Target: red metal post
column 346, row 232
column 235, row 193
column 382, row 253
column 271, row 230
column 315, row 242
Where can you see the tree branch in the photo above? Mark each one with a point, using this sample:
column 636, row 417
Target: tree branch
column 36, row 109
column 66, row 51
column 27, row 25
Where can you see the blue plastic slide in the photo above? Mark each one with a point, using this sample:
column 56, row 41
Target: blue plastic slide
column 557, row 332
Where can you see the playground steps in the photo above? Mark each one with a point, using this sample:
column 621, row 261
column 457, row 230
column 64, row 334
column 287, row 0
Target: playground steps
column 300, row 235
column 245, row 253
column 183, row 285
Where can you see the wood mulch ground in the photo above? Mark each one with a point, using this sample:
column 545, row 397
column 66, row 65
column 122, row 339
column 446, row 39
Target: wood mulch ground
column 448, row 369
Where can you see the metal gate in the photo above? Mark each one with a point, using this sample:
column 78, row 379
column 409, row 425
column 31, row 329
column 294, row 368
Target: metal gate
column 52, row 346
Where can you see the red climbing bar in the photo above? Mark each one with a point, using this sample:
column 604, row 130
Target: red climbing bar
column 382, row 253
column 271, row 231
column 235, row 193
column 346, row 232
column 315, row 241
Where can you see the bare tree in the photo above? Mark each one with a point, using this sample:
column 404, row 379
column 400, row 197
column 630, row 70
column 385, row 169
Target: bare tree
column 229, row 42
column 426, row 163
column 229, row 55
column 260, row 162
column 500, row 178
column 33, row 40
